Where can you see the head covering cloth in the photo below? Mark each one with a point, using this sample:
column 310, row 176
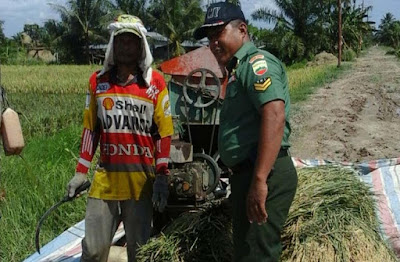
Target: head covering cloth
column 130, row 24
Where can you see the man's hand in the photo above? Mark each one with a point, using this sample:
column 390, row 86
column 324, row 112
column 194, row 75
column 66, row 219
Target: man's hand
column 75, row 182
column 256, row 199
column 160, row 192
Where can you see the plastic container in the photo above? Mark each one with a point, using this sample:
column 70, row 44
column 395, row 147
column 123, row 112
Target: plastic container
column 11, row 133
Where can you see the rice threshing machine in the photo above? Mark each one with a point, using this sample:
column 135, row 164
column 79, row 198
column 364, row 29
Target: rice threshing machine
column 196, row 90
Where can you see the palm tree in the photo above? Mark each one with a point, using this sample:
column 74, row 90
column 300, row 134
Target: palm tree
column 209, row 2
column 236, row 2
column 307, row 27
column 137, row 8
column 354, row 27
column 82, row 19
column 2, row 36
column 387, row 30
column 295, row 22
column 176, row 19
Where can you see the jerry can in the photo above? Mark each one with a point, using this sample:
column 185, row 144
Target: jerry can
column 11, row 133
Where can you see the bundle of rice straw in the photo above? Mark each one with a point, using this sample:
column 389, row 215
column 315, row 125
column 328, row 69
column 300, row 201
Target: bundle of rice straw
column 331, row 219
column 201, row 235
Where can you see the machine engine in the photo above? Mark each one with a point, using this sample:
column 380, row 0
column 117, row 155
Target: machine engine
column 193, row 177
column 189, row 182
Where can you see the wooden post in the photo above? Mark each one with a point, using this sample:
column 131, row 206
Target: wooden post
column 340, row 33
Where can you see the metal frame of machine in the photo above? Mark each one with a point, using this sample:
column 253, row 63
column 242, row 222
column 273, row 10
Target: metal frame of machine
column 196, row 88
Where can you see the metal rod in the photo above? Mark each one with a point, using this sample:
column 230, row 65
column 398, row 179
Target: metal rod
column 187, row 121
column 213, row 129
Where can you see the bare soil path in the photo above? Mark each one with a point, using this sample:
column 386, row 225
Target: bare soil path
column 354, row 118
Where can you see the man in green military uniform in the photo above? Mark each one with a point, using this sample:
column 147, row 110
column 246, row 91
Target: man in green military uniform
column 253, row 134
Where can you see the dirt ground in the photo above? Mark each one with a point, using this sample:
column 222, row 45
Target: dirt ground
column 354, row 118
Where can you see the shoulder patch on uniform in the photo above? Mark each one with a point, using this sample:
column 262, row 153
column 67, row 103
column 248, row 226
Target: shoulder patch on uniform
column 260, row 67
column 262, row 84
column 256, row 57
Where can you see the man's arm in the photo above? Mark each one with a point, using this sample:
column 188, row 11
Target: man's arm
column 89, row 141
column 91, row 130
column 161, row 155
column 271, row 134
column 163, row 120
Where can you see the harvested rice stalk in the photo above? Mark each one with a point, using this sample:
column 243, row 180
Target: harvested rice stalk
column 164, row 248
column 204, row 235
column 332, row 218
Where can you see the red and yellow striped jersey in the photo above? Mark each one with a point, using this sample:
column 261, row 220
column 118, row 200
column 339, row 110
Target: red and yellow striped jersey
column 123, row 119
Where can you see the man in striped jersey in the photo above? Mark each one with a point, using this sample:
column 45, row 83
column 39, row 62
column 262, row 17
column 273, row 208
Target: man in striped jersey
column 128, row 113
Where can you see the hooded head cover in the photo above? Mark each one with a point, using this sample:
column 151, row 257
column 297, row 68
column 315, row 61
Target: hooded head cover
column 129, row 24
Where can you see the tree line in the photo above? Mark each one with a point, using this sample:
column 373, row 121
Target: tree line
column 299, row 28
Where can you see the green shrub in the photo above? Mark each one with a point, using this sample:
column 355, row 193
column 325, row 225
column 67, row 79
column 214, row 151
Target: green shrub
column 348, row 55
column 397, row 52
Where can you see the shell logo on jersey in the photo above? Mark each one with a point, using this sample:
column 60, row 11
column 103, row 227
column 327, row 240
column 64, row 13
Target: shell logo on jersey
column 108, row 103
column 260, row 67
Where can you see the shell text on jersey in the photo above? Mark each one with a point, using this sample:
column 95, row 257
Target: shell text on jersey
column 128, row 105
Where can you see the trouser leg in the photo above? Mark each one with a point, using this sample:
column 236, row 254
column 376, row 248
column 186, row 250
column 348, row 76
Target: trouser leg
column 101, row 222
column 261, row 243
column 137, row 216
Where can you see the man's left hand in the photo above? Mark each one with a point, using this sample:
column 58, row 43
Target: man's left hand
column 256, row 199
column 160, row 192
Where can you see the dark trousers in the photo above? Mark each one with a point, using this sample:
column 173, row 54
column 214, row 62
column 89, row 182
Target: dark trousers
column 262, row 243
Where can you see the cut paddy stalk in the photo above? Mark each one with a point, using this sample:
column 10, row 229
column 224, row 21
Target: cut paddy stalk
column 332, row 218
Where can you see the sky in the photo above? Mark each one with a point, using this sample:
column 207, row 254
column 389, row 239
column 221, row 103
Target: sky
column 16, row 13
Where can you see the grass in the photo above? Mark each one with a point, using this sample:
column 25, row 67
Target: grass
column 33, row 184
column 47, row 79
column 304, row 81
column 50, row 100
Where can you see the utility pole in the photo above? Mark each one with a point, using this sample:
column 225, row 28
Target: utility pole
column 340, row 32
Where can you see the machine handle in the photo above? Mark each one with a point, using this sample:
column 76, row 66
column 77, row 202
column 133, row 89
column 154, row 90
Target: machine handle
column 81, row 188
